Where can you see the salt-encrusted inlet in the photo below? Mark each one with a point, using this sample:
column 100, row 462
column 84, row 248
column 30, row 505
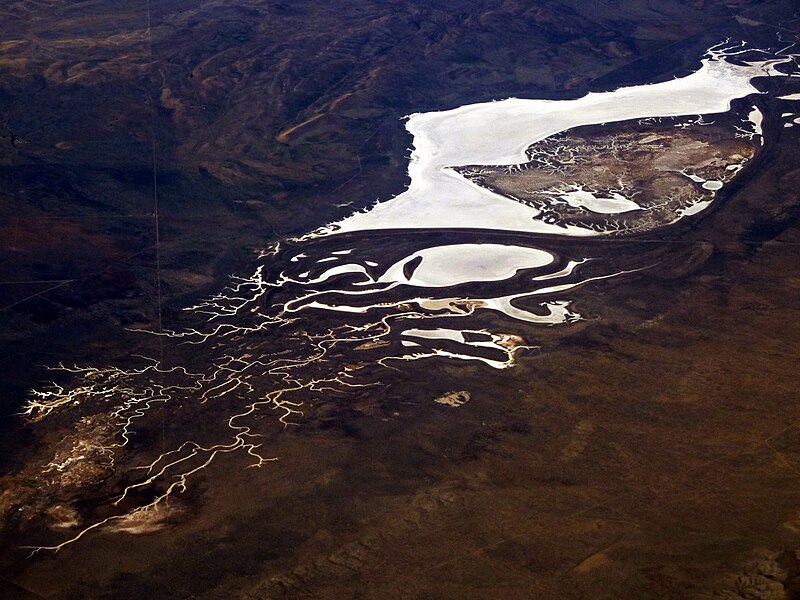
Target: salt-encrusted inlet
column 498, row 133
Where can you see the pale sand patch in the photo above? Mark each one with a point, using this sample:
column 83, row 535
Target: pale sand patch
column 454, row 399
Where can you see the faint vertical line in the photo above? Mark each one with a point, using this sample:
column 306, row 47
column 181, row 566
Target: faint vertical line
column 156, row 216
column 156, row 219
column 149, row 30
column 16, row 233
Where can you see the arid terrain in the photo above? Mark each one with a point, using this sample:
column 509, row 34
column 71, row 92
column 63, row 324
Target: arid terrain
column 629, row 430
column 665, row 170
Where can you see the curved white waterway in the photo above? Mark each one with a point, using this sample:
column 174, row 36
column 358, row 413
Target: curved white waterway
column 498, row 133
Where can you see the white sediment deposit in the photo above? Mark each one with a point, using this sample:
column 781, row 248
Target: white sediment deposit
column 712, row 185
column 498, row 133
column 756, row 117
column 614, row 203
column 443, row 266
column 501, row 344
column 696, row 208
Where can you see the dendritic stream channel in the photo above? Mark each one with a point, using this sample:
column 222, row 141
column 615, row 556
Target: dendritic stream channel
column 497, row 236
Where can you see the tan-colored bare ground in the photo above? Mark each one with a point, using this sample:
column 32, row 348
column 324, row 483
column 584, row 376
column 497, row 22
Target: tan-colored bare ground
column 647, row 164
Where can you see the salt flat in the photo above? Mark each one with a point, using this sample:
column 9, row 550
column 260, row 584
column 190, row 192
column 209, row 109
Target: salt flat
column 498, row 133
